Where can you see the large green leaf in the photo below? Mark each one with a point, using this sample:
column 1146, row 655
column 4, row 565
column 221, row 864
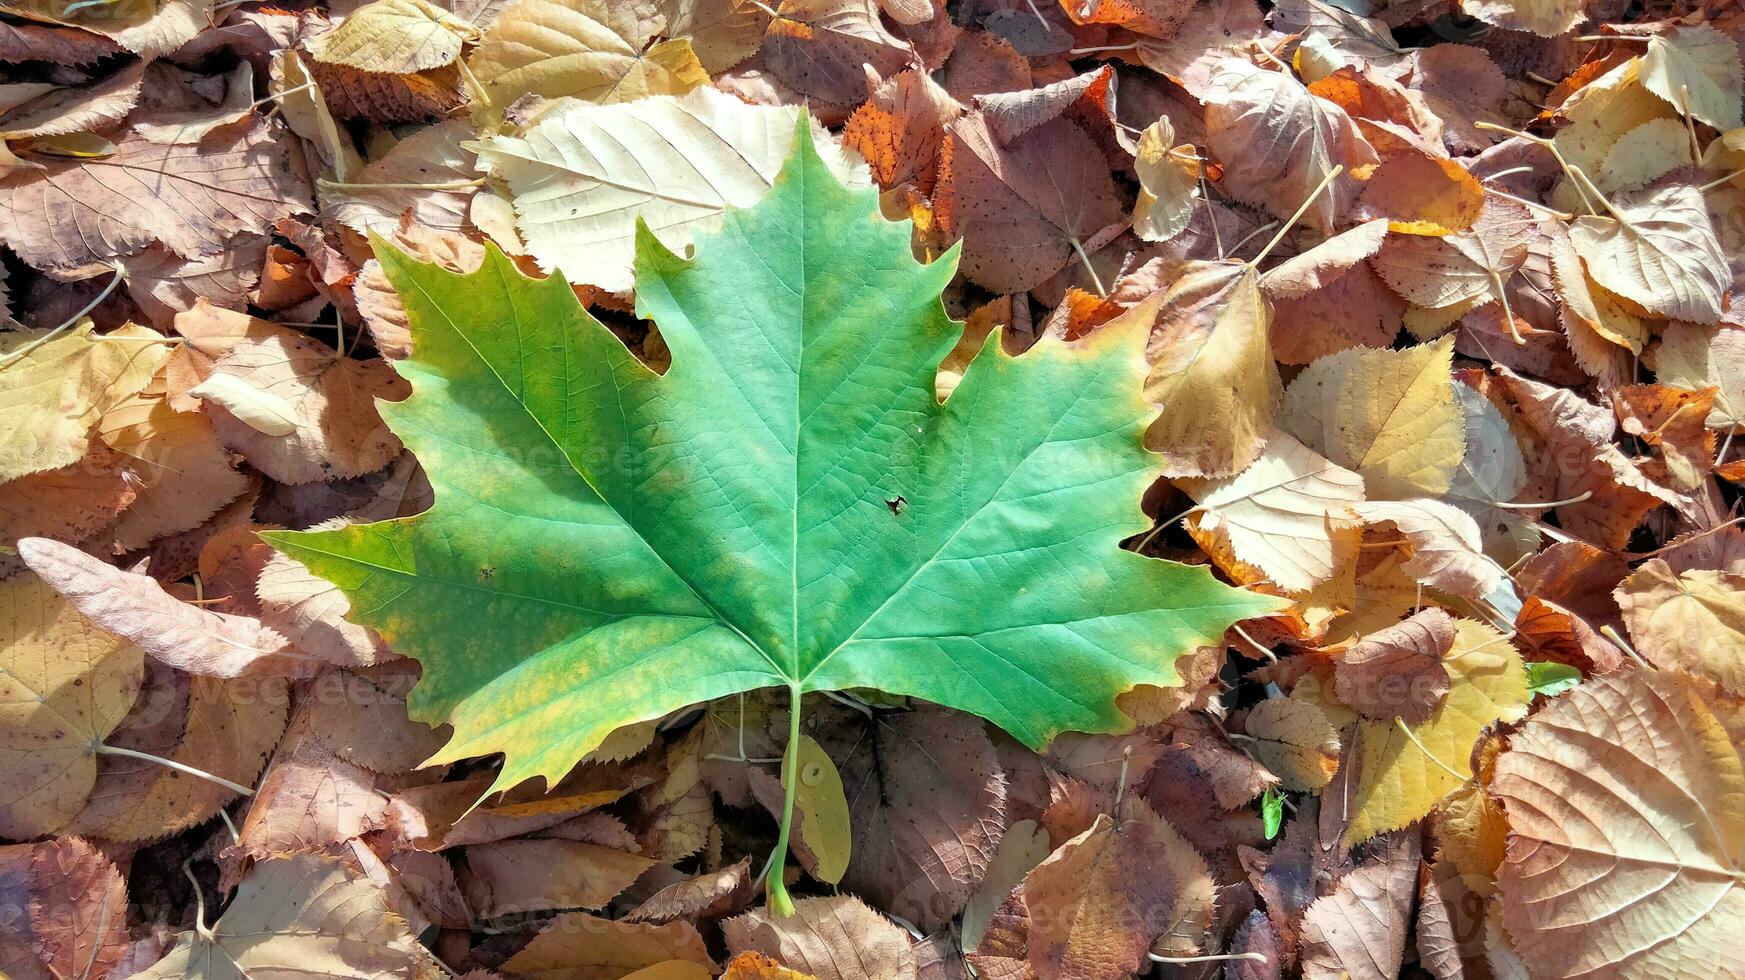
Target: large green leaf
column 789, row 505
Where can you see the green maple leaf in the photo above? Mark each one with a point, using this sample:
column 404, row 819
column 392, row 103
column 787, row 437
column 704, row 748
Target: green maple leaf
column 789, row 505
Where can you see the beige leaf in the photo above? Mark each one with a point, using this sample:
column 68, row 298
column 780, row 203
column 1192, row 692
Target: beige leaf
column 1359, row 931
column 1321, row 266
column 1098, row 902
column 361, row 716
column 75, row 217
column 64, row 686
column 309, row 799
column 582, row 174
column 1402, row 776
column 594, row 50
column 1398, row 672
column 1694, row 356
column 1625, row 833
column 394, row 37
column 56, row 391
column 335, row 429
column 1283, row 514
column 1696, row 68
column 1548, row 18
column 304, row 916
column 1447, row 552
column 1692, row 621
column 1388, row 415
column 75, row 108
column 579, row 946
column 1294, row 739
column 531, row 875
column 68, row 504
column 429, row 173
column 1168, row 183
column 1277, row 141
column 305, row 109
column 1657, row 248
column 311, row 612
column 1585, row 305
column 261, row 410
column 146, row 29
column 174, row 632
column 1643, row 154
column 227, row 728
column 1212, row 377
column 836, row 938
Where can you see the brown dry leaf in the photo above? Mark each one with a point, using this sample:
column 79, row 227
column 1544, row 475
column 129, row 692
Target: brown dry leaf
column 531, row 875
column 69, row 504
column 1549, row 18
column 1006, row 202
column 226, row 728
column 1284, row 514
column 836, row 938
column 1294, row 739
column 361, row 716
column 1403, row 772
column 1446, row 550
column 95, row 105
column 824, row 48
column 65, row 685
column 705, row 896
column 593, row 50
column 1696, row 68
column 185, row 636
column 1673, row 421
column 1398, row 672
column 1548, row 631
column 417, row 97
column 579, row 946
column 77, row 906
column 1276, row 142
column 1359, row 931
column 1212, row 376
column 1692, row 621
column 308, row 915
column 1695, row 356
column 1098, row 903
column 1388, row 415
column 1470, row 265
column 165, row 284
column 1625, row 832
column 1420, row 194
column 57, row 389
column 1357, row 309
column 309, row 799
column 393, row 37
column 1657, row 248
column 899, row 130
column 76, row 217
column 147, row 29
column 326, row 401
column 926, row 798
column 1169, row 178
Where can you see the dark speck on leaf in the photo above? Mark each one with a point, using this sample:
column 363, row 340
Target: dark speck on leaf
column 896, row 505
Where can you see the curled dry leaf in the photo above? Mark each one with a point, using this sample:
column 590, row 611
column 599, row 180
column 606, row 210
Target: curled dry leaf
column 87, row 679
column 1420, row 194
column 1623, row 855
column 1398, row 672
column 147, row 29
column 1168, row 180
column 708, row 895
column 1657, row 248
column 1212, row 376
column 185, row 636
column 1446, row 550
column 1359, row 931
column 900, row 128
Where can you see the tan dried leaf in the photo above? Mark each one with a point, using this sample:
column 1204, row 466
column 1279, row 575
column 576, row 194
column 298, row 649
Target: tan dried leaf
column 1359, row 931
column 65, row 685
column 393, row 37
column 1625, row 832
column 836, row 938
column 1398, row 672
column 1657, row 248
column 56, row 391
column 579, row 946
column 1692, row 621
column 1294, row 739
column 532, row 875
column 593, row 50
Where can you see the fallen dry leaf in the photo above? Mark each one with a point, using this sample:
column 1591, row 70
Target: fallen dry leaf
column 836, row 938
column 1692, row 621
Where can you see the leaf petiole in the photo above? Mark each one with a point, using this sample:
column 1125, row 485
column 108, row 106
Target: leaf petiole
column 779, row 902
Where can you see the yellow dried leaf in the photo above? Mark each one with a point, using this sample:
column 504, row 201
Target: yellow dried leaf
column 395, row 37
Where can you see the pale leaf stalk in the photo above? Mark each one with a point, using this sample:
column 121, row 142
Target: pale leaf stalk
column 102, row 749
column 1406, row 730
column 22, row 352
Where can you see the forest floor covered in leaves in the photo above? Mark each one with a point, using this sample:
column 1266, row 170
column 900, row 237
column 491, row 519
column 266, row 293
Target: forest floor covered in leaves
column 483, row 491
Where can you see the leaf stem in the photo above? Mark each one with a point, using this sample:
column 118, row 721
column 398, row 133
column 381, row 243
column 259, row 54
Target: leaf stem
column 779, row 902
column 1406, row 729
column 1302, row 209
column 102, row 749
column 1251, row 956
column 22, row 352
